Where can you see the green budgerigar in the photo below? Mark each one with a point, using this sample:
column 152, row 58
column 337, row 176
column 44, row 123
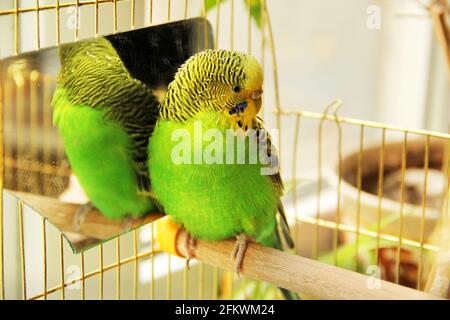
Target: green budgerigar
column 195, row 171
column 105, row 117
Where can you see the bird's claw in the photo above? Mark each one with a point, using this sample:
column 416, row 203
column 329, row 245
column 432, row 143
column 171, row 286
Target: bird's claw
column 80, row 215
column 128, row 223
column 189, row 246
column 238, row 252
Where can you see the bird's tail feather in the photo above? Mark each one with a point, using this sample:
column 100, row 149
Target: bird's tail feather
column 288, row 295
column 285, row 227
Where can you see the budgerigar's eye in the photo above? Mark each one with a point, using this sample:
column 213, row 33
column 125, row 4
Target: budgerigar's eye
column 236, row 88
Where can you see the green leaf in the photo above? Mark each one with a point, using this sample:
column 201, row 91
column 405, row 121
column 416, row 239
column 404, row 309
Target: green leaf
column 255, row 7
column 210, row 4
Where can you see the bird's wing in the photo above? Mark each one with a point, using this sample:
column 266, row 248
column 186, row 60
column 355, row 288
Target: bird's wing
column 93, row 75
column 277, row 182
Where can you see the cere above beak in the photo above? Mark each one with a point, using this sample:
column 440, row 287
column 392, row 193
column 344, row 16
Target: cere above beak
column 256, row 94
column 239, row 108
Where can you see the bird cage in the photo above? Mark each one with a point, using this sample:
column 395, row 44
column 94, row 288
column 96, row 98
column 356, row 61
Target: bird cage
column 370, row 214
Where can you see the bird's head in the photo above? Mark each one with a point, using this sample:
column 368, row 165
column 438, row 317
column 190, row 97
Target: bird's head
column 217, row 80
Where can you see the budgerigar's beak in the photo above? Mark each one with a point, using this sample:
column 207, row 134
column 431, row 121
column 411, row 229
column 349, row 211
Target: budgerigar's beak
column 245, row 113
column 254, row 103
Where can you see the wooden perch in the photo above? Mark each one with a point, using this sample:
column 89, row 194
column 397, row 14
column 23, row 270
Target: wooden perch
column 94, row 225
column 282, row 269
column 293, row 272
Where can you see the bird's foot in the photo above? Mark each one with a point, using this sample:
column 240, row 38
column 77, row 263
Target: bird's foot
column 189, row 248
column 80, row 215
column 128, row 223
column 238, row 252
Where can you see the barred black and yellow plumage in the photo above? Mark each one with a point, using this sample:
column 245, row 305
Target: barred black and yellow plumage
column 203, row 83
column 92, row 74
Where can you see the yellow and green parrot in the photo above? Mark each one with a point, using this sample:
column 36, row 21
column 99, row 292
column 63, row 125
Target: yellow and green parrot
column 212, row 197
column 105, row 117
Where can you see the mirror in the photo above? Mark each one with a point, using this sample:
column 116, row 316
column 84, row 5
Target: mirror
column 36, row 168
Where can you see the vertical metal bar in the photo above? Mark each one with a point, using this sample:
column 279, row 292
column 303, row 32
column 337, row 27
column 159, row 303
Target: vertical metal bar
column 151, row 12
column 275, row 79
column 135, row 265
column 16, row 28
column 118, row 267
column 44, row 243
column 201, row 281
column 249, row 26
column 168, row 10
column 205, row 29
column 232, row 285
column 447, row 215
column 245, row 287
column 22, row 252
column 402, row 202
column 77, row 31
column 338, row 206
column 380, row 191
column 34, row 125
column 217, row 23
column 215, row 283
column 83, row 293
column 263, row 46
column 359, row 186
column 58, row 24
column 232, row 25
column 47, row 125
column 96, row 18
column 294, row 174
column 115, row 15
column 133, row 14
column 38, row 44
column 8, row 112
column 186, row 282
column 424, row 209
column 315, row 250
column 444, row 214
column 100, row 248
column 152, row 284
column 169, row 277
column 58, row 144
column 61, row 261
column 2, row 169
column 20, row 121
column 185, row 9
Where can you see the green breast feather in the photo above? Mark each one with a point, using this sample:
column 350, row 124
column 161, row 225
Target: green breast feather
column 212, row 201
column 98, row 151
